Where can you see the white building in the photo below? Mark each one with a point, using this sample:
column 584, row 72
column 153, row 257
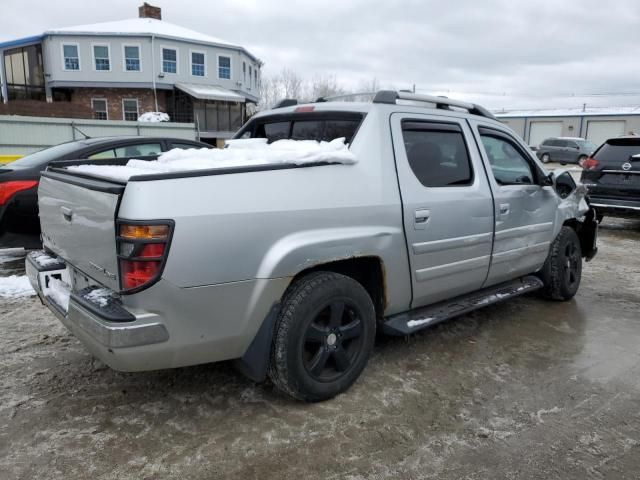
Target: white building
column 118, row 70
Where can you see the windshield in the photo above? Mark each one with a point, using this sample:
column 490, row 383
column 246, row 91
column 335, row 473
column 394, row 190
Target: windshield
column 45, row 156
column 585, row 145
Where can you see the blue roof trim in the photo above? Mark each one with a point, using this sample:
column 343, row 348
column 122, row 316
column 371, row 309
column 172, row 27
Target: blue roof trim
column 21, row 41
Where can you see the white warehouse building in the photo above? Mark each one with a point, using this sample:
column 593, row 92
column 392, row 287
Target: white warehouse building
column 596, row 124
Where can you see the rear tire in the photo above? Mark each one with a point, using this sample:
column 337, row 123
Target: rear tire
column 562, row 270
column 323, row 337
column 545, row 158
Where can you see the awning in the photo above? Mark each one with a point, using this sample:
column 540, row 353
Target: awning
column 210, row 92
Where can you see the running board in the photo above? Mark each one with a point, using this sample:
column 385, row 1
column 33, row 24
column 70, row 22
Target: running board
column 415, row 320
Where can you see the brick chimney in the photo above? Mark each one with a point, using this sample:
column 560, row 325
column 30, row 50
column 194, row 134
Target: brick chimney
column 149, row 11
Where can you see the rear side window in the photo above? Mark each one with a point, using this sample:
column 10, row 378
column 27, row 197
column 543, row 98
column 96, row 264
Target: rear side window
column 274, row 131
column 437, row 154
column 618, row 150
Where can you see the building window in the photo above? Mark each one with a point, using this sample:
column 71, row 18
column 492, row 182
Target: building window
column 197, row 64
column 255, row 77
column 130, row 109
column 131, row 58
column 24, row 73
column 101, row 58
column 244, row 73
column 169, row 60
column 250, row 75
column 71, row 57
column 99, row 107
column 224, row 67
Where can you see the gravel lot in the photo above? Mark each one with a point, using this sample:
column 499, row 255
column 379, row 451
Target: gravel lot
column 526, row 389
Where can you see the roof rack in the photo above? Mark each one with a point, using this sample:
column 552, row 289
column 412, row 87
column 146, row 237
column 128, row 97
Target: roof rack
column 444, row 103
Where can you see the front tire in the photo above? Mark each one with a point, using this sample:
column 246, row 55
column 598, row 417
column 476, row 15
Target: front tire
column 323, row 337
column 562, row 270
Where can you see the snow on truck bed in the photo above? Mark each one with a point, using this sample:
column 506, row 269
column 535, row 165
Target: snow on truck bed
column 239, row 153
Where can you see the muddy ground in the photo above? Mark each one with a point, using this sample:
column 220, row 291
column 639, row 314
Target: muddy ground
column 526, row 389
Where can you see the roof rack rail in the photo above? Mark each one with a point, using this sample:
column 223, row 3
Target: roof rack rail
column 444, row 103
column 287, row 102
column 331, row 98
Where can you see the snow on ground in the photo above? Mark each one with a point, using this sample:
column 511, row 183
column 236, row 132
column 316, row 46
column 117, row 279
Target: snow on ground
column 239, row 153
column 153, row 117
column 15, row 286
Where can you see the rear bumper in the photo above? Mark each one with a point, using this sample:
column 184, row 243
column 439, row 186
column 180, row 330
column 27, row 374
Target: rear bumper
column 164, row 326
column 615, row 205
column 88, row 320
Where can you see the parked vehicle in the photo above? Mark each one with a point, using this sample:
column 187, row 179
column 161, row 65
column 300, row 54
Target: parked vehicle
column 612, row 176
column 19, row 223
column 291, row 269
column 564, row 150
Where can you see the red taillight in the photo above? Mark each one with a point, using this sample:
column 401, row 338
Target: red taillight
column 305, row 109
column 142, row 250
column 589, row 163
column 9, row 189
column 136, row 274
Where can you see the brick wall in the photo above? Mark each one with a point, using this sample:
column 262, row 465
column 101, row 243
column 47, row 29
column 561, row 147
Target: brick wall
column 35, row 108
column 114, row 96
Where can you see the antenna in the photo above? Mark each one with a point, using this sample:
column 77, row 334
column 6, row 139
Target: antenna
column 73, row 126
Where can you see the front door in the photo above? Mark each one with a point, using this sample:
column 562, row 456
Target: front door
column 525, row 210
column 447, row 205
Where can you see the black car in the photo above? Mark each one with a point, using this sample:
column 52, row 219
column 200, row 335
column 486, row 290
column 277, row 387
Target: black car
column 612, row 175
column 19, row 223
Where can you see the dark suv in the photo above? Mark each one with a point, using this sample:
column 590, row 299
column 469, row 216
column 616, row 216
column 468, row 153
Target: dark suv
column 612, row 175
column 565, row 150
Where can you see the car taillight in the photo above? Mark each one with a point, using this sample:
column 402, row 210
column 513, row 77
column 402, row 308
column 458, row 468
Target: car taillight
column 142, row 252
column 9, row 189
column 589, row 163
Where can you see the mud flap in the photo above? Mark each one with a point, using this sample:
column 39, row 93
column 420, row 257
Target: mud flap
column 588, row 234
column 255, row 361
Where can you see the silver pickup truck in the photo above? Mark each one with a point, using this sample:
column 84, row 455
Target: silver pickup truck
column 292, row 269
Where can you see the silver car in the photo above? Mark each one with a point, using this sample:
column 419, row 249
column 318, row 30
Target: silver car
column 291, row 269
column 565, row 150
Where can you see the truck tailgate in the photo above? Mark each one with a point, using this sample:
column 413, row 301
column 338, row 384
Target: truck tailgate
column 77, row 218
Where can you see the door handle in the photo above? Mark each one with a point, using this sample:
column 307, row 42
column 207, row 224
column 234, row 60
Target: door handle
column 504, row 209
column 421, row 218
column 67, row 213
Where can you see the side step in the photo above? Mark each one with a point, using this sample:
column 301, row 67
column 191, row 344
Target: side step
column 415, row 320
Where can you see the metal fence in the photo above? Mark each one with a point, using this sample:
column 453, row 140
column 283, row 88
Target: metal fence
column 23, row 135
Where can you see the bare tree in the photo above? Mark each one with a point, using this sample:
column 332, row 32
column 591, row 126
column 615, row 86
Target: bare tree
column 323, row 86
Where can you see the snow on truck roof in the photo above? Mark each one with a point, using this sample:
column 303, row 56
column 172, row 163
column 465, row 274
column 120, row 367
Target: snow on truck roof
column 251, row 152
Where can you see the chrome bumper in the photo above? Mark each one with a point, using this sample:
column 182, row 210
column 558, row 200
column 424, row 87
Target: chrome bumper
column 90, row 322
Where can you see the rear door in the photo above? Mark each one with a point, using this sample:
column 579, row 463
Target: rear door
column 77, row 221
column 524, row 210
column 447, row 205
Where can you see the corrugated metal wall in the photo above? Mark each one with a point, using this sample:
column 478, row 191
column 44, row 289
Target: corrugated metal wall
column 24, row 135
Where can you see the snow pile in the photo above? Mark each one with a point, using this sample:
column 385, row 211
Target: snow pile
column 153, row 117
column 99, row 296
column 15, row 287
column 45, row 260
column 59, row 293
column 239, row 153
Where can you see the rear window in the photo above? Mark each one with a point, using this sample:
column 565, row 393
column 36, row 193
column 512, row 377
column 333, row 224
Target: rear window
column 318, row 126
column 618, row 150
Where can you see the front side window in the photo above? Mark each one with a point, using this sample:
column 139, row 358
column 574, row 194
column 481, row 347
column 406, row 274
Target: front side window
column 131, row 58
column 509, row 165
column 71, row 57
column 224, row 67
column 101, row 57
column 437, row 154
column 99, row 107
column 130, row 109
column 169, row 60
column 197, row 64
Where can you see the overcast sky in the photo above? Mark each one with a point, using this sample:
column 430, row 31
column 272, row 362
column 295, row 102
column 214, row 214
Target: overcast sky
column 533, row 53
